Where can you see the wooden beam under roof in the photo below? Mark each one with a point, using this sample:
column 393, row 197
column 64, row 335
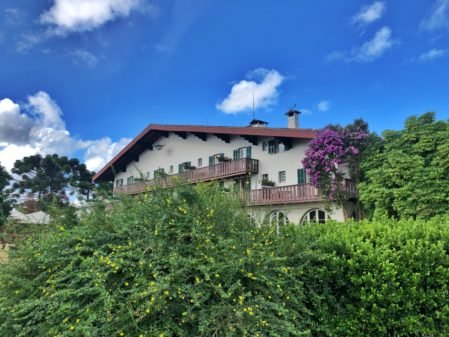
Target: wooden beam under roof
column 224, row 137
column 200, row 135
column 252, row 139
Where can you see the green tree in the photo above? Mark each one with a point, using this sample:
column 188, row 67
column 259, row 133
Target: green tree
column 408, row 174
column 5, row 201
column 52, row 177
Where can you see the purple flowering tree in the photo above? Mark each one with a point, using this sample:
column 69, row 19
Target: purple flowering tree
column 333, row 156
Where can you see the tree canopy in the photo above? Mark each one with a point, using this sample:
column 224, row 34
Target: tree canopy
column 52, row 176
column 5, row 202
column 408, row 174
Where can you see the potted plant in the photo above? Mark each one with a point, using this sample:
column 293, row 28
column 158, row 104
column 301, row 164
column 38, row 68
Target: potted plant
column 188, row 166
column 267, row 183
column 223, row 159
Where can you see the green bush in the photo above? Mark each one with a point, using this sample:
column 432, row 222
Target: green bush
column 183, row 262
column 189, row 262
column 386, row 278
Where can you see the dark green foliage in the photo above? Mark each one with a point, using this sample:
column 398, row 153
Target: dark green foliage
column 386, row 278
column 52, row 177
column 5, row 201
column 407, row 175
column 184, row 262
column 188, row 262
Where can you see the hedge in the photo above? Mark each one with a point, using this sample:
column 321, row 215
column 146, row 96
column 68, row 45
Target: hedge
column 189, row 262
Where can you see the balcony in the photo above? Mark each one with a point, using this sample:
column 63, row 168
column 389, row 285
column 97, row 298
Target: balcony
column 233, row 168
column 290, row 194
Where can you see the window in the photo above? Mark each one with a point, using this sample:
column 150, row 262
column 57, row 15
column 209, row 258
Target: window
column 273, row 146
column 182, row 167
column 200, row 162
column 282, row 176
column 130, row 180
column 264, row 146
column 315, row 216
column 148, row 176
column 119, row 182
column 215, row 159
column 302, row 179
column 243, row 152
column 171, row 169
column 276, row 146
column 277, row 219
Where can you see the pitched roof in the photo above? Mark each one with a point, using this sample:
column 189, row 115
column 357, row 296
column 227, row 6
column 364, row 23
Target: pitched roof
column 152, row 132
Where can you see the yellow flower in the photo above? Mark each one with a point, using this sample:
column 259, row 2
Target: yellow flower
column 72, row 328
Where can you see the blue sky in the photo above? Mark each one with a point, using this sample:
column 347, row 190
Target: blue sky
column 81, row 77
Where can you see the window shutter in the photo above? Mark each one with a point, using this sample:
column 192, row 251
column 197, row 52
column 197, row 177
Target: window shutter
column 211, row 160
column 236, row 154
column 264, row 146
column 301, row 176
column 181, row 168
column 248, row 152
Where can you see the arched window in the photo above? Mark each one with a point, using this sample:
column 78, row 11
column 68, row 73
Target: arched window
column 277, row 219
column 315, row 215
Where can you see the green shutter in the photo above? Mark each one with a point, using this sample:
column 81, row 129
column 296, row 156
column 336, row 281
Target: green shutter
column 181, row 168
column 236, row 154
column 301, row 176
column 248, row 152
column 211, row 160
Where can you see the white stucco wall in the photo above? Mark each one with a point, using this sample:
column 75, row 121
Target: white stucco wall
column 177, row 150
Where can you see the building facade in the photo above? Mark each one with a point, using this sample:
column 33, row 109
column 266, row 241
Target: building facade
column 260, row 164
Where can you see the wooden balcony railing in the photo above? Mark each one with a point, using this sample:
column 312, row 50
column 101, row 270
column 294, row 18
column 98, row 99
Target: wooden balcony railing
column 290, row 194
column 228, row 169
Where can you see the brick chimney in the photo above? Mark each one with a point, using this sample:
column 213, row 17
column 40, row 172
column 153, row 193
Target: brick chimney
column 292, row 117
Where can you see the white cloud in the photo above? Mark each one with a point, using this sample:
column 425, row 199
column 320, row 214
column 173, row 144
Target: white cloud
column 306, row 111
column 38, row 127
column 99, row 152
column 369, row 51
column 375, row 48
column 324, row 106
column 85, row 57
column 438, row 17
column 14, row 126
column 369, row 14
column 262, row 84
column 68, row 16
column 430, row 55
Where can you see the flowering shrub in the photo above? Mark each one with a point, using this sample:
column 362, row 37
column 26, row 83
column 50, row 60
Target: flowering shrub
column 332, row 148
column 188, row 262
column 182, row 262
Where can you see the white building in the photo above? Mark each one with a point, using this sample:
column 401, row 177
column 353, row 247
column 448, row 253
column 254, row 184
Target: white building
column 263, row 163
